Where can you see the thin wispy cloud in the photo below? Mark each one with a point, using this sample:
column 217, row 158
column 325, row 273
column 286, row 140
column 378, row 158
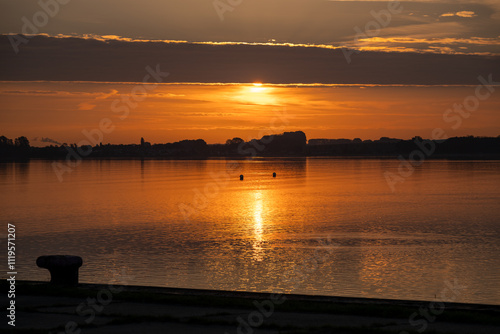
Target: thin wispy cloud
column 431, row 45
column 104, row 96
column 47, row 140
column 86, row 106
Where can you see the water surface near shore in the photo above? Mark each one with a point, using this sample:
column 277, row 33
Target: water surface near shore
column 322, row 226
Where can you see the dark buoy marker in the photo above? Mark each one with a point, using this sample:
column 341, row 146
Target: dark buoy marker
column 241, row 177
column 274, row 174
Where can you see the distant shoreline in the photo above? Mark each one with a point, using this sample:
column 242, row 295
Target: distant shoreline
column 470, row 157
column 286, row 145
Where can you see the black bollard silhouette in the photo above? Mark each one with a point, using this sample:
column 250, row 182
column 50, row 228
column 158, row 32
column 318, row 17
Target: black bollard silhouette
column 274, row 174
column 241, row 177
column 63, row 268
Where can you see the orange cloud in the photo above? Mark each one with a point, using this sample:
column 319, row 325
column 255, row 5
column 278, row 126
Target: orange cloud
column 463, row 13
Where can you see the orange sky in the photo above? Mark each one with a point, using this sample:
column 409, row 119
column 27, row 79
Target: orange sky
column 424, row 42
column 172, row 112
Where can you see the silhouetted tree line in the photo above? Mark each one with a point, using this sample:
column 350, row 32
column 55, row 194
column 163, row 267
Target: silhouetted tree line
column 285, row 144
column 17, row 149
column 456, row 147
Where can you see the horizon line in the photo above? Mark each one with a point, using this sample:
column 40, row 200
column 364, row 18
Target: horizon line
column 298, row 85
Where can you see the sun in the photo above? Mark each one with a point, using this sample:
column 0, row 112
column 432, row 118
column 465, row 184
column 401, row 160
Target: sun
column 257, row 87
column 256, row 93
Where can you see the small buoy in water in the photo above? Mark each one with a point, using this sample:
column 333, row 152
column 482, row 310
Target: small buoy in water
column 241, row 177
column 274, row 174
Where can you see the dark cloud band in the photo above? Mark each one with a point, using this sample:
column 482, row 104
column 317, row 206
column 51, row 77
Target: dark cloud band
column 77, row 59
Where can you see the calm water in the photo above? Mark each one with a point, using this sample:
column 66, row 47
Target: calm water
column 323, row 226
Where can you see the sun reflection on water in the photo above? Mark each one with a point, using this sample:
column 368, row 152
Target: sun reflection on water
column 258, row 228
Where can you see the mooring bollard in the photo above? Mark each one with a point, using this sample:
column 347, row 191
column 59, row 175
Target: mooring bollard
column 63, row 268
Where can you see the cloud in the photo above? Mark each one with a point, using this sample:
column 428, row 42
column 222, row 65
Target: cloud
column 464, row 13
column 49, row 93
column 453, row 46
column 123, row 61
column 27, row 92
column 48, row 140
column 86, row 106
column 287, row 21
column 168, row 95
column 104, row 96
